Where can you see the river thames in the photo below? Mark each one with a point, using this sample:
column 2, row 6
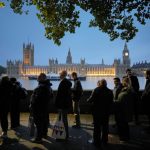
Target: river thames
column 89, row 84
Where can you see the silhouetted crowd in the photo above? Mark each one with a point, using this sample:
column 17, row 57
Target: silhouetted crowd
column 122, row 102
column 11, row 92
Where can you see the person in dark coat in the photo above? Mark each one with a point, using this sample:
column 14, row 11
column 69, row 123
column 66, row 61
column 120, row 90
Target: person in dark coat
column 16, row 91
column 146, row 96
column 134, row 84
column 117, row 89
column 124, row 112
column 63, row 101
column 39, row 107
column 77, row 92
column 49, row 85
column 5, row 97
column 102, row 98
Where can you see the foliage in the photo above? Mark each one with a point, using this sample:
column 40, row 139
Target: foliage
column 2, row 4
column 115, row 17
column 2, row 70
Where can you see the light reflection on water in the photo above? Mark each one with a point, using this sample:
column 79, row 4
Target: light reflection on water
column 90, row 83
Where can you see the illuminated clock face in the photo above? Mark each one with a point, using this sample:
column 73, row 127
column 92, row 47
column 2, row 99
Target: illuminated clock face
column 126, row 54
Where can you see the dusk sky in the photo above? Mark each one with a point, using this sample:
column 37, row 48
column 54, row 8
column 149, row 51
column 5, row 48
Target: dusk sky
column 88, row 43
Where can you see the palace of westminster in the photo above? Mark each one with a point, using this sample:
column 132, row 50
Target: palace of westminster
column 118, row 68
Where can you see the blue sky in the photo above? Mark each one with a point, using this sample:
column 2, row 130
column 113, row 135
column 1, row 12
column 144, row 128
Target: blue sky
column 88, row 43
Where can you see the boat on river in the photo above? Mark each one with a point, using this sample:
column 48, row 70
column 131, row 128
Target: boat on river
column 32, row 77
column 55, row 77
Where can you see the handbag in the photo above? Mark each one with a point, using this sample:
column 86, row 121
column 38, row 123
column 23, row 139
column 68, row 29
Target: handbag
column 59, row 131
column 31, row 126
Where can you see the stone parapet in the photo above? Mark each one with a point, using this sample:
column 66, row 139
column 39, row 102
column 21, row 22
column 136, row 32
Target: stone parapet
column 84, row 106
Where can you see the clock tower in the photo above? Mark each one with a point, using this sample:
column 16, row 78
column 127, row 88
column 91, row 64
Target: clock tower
column 125, row 55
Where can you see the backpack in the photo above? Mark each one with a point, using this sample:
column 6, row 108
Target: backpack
column 39, row 98
column 18, row 91
column 23, row 93
column 35, row 97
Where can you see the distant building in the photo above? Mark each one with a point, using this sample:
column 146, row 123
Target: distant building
column 14, row 68
column 27, row 67
column 28, row 55
column 141, row 67
column 126, row 62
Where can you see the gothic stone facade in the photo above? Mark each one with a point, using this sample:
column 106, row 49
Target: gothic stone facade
column 27, row 67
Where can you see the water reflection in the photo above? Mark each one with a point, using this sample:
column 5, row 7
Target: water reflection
column 89, row 84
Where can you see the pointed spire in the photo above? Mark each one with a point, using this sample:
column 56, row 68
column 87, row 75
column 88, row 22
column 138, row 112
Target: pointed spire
column 125, row 46
column 69, row 51
column 102, row 61
column 23, row 45
column 69, row 58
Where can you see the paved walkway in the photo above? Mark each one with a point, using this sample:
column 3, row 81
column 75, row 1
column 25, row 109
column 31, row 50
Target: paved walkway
column 20, row 139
